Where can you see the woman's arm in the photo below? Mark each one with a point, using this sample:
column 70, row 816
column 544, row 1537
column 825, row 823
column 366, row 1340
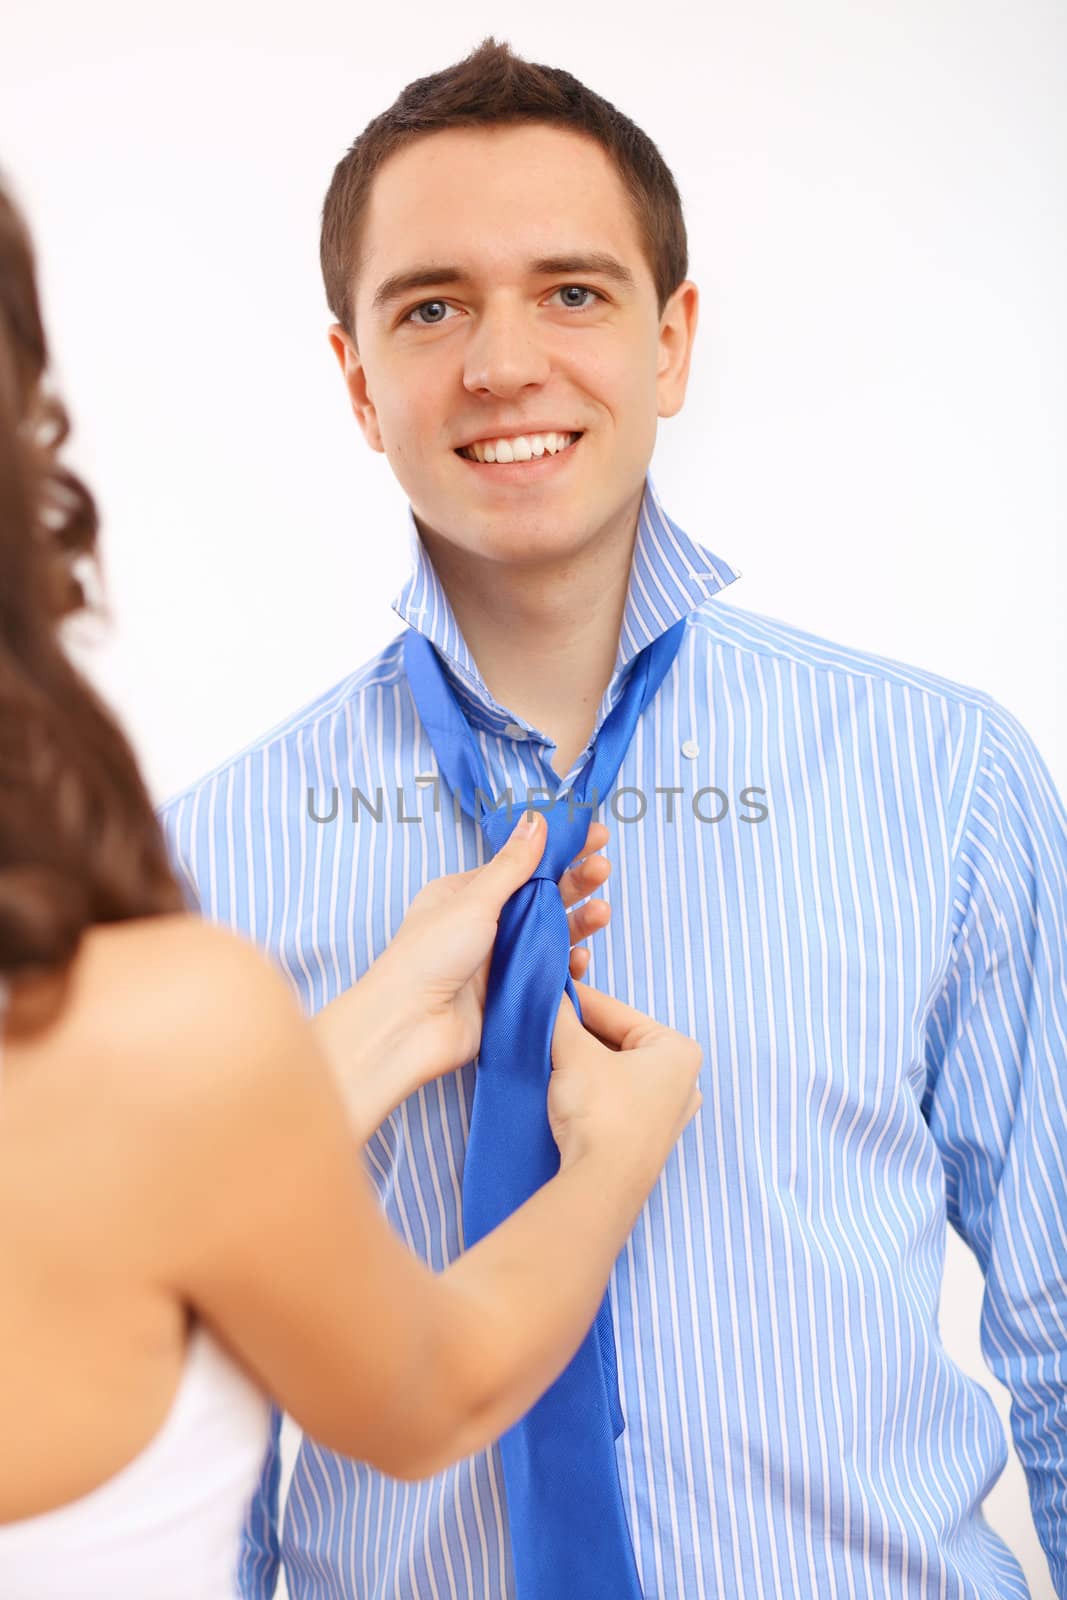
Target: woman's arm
column 255, row 1209
column 365, row 1038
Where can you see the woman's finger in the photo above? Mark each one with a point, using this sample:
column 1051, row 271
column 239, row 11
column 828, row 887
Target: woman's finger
column 588, row 919
column 612, row 1021
column 595, row 839
column 580, row 959
column 584, row 878
column 588, row 870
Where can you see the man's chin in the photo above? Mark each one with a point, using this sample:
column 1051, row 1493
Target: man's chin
column 519, row 534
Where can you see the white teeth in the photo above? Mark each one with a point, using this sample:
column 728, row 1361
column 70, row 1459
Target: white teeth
column 524, row 447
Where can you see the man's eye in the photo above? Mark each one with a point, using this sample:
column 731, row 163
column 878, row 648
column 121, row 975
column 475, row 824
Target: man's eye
column 440, row 307
column 426, row 305
column 568, row 288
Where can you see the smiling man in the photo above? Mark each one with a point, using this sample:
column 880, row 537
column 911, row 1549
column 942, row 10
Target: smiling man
column 518, row 410
column 846, row 877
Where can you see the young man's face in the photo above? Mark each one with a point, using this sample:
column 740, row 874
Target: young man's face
column 523, row 341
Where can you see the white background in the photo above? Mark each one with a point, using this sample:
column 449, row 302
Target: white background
column 874, row 432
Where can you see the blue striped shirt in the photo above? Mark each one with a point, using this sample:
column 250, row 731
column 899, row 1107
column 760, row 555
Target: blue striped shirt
column 848, row 879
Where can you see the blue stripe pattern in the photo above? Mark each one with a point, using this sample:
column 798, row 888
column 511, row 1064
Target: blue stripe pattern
column 846, row 877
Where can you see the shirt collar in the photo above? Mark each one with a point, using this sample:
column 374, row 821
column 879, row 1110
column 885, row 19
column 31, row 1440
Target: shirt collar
column 670, row 576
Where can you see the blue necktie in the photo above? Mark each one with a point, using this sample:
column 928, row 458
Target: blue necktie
column 569, row 1536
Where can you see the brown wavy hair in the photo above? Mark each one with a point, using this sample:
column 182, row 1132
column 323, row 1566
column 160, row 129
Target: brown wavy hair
column 493, row 86
column 79, row 841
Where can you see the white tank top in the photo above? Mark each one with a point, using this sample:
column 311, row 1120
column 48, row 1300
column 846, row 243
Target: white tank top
column 168, row 1525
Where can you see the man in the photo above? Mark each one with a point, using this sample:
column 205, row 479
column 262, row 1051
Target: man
column 846, row 877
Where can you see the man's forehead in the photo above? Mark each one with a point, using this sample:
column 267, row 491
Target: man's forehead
column 458, row 180
column 413, row 239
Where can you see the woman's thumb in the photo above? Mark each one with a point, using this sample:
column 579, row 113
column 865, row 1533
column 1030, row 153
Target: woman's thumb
column 516, row 859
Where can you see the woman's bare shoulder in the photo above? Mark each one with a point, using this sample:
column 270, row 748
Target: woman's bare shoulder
column 176, row 1049
column 160, row 990
column 179, row 984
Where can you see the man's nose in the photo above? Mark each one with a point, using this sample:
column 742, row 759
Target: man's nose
column 505, row 352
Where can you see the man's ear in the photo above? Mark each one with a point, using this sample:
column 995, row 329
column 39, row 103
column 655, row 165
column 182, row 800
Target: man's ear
column 355, row 380
column 677, row 330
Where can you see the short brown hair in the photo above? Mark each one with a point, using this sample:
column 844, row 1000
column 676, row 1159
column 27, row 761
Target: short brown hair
column 493, row 85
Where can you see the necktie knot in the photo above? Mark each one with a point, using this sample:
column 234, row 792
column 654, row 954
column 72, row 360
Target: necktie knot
column 567, row 828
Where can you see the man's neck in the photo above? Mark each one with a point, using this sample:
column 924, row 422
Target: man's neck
column 544, row 636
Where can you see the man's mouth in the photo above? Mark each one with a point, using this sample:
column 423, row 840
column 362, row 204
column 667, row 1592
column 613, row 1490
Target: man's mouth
column 525, row 447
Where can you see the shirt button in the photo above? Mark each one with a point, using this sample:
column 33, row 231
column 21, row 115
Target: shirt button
column 513, row 731
column 690, row 749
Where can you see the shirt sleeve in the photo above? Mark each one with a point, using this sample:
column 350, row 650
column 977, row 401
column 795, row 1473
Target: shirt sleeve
column 996, row 1096
column 258, row 1558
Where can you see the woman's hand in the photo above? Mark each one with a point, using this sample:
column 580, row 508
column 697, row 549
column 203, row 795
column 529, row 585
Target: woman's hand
column 417, row 1012
column 437, row 966
column 623, row 1087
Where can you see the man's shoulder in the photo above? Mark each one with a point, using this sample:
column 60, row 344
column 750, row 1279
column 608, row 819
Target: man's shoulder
column 756, row 637
column 309, row 723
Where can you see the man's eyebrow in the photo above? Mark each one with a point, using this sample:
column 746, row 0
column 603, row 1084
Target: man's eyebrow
column 596, row 263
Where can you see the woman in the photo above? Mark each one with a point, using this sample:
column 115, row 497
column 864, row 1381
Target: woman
column 185, row 1226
